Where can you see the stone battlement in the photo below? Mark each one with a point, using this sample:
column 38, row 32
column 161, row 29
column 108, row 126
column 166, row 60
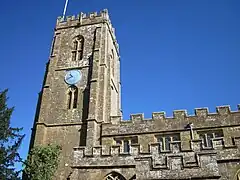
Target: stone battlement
column 223, row 116
column 83, row 16
column 181, row 114
column 155, row 148
column 84, row 19
column 195, row 161
column 159, row 123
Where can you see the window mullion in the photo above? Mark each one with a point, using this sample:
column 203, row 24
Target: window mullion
column 72, row 100
column 69, row 99
column 206, row 139
column 213, row 134
column 164, row 143
column 122, row 142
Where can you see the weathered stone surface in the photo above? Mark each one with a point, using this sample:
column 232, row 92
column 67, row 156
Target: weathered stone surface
column 96, row 142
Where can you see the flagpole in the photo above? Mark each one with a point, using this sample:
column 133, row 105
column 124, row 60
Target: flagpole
column 65, row 9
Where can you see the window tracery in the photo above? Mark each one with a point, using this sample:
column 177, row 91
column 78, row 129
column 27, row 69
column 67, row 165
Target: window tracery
column 208, row 136
column 72, row 97
column 114, row 176
column 237, row 175
column 126, row 142
column 166, row 140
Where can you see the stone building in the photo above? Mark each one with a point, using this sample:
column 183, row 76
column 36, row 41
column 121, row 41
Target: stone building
column 79, row 108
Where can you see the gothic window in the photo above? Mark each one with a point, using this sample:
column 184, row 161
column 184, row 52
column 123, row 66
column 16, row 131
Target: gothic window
column 69, row 99
column 208, row 136
column 126, row 147
column 237, row 175
column 166, row 140
column 77, row 51
column 114, row 176
column 126, row 142
column 72, row 97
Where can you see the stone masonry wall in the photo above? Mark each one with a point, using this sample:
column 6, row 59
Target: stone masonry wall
column 187, row 158
column 89, row 134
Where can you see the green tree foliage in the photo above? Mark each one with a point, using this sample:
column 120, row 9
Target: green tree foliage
column 10, row 141
column 42, row 162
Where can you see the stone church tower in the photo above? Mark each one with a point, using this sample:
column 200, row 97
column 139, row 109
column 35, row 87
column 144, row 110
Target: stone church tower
column 79, row 108
column 81, row 88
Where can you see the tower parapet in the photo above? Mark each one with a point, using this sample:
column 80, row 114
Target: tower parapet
column 83, row 19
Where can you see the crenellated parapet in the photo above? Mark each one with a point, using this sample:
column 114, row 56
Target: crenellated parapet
column 194, row 161
column 196, row 145
column 159, row 122
column 103, row 15
column 180, row 161
column 84, row 19
column 182, row 114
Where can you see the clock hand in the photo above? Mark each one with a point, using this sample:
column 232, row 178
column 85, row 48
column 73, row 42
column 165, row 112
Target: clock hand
column 69, row 77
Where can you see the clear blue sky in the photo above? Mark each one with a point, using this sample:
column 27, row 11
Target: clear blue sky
column 174, row 54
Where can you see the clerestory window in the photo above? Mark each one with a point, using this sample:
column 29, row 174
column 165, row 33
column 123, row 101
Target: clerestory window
column 72, row 97
column 77, row 51
column 166, row 140
column 126, row 142
column 208, row 136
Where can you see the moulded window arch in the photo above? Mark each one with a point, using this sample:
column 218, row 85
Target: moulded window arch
column 77, row 49
column 114, row 176
column 237, row 175
column 72, row 97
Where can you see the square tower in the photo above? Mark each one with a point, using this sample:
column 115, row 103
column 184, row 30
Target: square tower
column 79, row 108
column 81, row 87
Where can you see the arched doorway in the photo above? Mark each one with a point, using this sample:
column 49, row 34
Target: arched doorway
column 114, row 176
column 237, row 175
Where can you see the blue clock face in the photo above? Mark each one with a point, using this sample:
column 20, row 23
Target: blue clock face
column 73, row 76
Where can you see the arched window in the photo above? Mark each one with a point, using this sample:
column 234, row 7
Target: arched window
column 114, row 176
column 74, row 51
column 72, row 97
column 237, row 175
column 77, row 51
column 69, row 99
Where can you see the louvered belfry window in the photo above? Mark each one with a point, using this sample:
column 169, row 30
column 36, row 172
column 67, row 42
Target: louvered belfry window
column 77, row 50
